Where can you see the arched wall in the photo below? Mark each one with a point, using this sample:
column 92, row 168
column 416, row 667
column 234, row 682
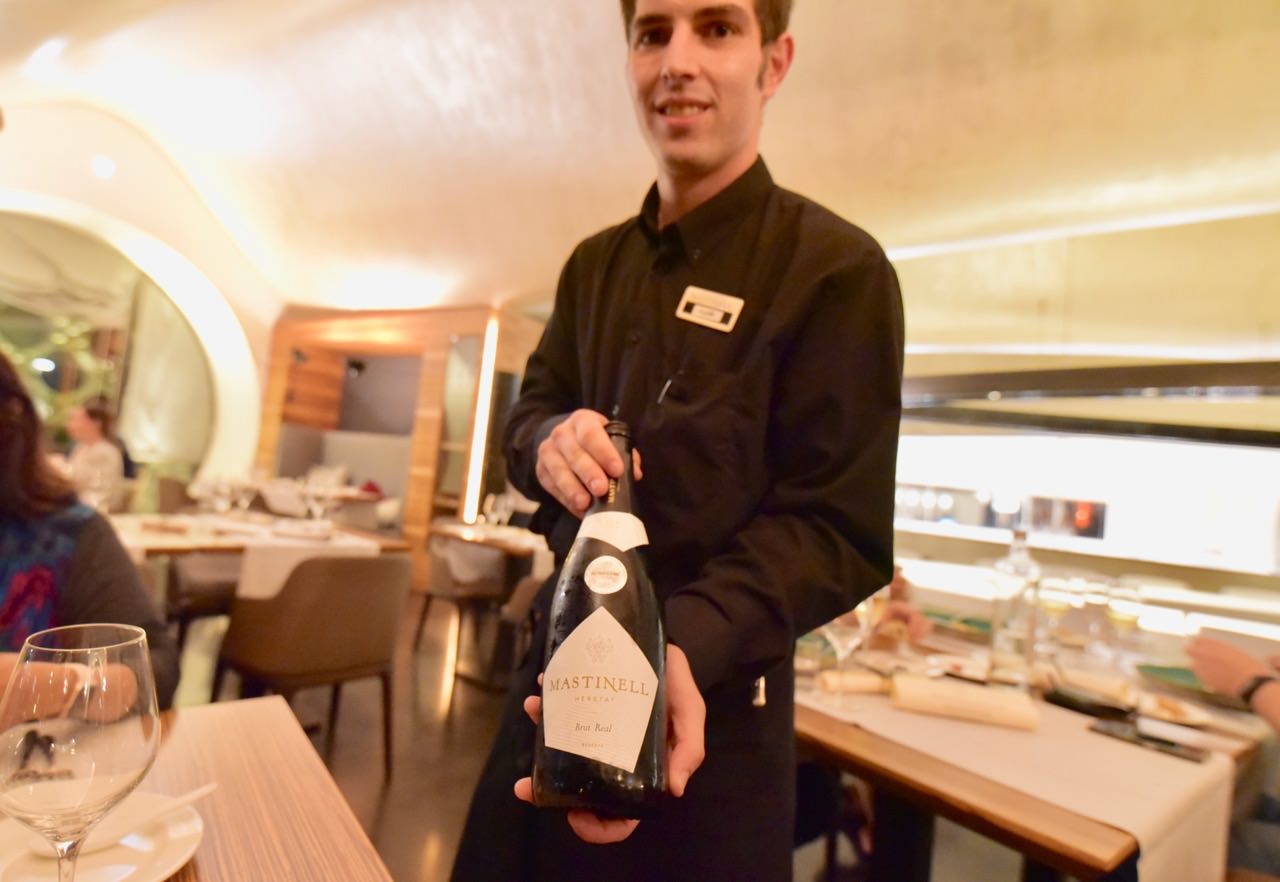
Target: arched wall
column 151, row 214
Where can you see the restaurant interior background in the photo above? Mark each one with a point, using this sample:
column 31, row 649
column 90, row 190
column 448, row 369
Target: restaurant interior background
column 1061, row 187
column 307, row 231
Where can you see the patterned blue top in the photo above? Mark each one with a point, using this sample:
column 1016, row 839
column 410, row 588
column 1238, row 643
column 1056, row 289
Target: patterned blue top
column 35, row 560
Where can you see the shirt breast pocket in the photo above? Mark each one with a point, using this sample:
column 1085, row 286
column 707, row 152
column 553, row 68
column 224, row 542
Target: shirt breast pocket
column 704, row 431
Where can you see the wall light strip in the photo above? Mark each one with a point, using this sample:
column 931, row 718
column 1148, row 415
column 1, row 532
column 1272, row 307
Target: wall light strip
column 480, row 430
column 1094, row 228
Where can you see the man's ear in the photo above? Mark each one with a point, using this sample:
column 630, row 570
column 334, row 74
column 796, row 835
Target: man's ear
column 777, row 61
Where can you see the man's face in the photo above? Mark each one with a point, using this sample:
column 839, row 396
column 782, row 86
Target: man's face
column 699, row 79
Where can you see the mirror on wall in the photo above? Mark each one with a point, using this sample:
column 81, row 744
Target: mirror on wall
column 80, row 321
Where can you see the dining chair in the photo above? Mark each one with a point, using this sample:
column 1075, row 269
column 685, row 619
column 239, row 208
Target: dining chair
column 335, row 619
column 171, row 495
column 200, row 584
column 471, row 585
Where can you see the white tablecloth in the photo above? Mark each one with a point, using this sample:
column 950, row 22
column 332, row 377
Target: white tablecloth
column 269, row 559
column 1177, row 810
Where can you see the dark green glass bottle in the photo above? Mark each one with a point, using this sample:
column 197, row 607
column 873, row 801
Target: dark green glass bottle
column 601, row 745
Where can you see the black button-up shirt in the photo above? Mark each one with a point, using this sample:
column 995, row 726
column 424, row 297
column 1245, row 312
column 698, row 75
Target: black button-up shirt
column 769, row 451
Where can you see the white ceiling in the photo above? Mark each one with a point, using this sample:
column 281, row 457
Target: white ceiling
column 466, row 146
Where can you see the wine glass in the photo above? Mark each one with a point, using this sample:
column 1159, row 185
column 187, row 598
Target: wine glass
column 78, row 731
column 242, row 492
column 317, row 501
column 851, row 631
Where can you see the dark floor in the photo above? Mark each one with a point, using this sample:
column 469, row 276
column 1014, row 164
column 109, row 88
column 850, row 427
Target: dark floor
column 443, row 728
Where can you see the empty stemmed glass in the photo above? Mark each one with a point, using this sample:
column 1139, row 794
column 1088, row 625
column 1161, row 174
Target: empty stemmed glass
column 78, row 731
column 850, row 632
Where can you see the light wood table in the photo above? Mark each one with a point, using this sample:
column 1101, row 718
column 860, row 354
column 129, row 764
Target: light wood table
column 155, row 535
column 914, row 783
column 277, row 813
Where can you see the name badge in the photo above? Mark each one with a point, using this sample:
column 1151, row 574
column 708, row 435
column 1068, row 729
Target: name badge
column 709, row 309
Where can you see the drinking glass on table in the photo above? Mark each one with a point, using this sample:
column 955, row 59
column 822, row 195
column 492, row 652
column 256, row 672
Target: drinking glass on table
column 317, row 499
column 78, row 731
column 1124, row 608
column 850, row 632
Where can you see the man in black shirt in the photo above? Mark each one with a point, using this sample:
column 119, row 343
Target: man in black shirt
column 753, row 341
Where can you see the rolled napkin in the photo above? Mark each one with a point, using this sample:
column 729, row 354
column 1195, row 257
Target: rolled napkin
column 964, row 701
column 1112, row 686
column 852, row 682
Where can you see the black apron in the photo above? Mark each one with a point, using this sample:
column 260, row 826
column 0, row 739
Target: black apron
column 735, row 821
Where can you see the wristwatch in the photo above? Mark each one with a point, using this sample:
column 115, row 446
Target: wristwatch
column 1255, row 683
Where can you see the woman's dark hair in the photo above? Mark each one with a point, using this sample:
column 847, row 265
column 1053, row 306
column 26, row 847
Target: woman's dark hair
column 29, row 485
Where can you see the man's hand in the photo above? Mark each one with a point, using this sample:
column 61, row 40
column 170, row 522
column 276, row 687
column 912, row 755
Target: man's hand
column 1222, row 667
column 686, row 720
column 917, row 623
column 577, row 459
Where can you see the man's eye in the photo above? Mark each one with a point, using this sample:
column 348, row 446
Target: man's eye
column 650, row 37
column 720, row 30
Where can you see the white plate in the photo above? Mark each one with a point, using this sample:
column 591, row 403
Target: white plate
column 1172, row 710
column 150, row 855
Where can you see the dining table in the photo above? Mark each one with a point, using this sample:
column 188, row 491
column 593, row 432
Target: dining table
column 1037, row 793
column 152, row 535
column 243, row 796
column 276, row 813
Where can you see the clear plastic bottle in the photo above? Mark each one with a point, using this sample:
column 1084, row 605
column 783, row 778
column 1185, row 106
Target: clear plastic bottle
column 1015, row 604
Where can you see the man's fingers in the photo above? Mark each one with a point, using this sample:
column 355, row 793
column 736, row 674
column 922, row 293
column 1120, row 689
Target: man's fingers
column 524, row 789
column 594, row 441
column 688, row 720
column 533, row 707
column 600, row 831
column 637, row 471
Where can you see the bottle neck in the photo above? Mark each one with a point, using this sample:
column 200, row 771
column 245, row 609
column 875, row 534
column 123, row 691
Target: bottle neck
column 1018, row 547
column 619, row 495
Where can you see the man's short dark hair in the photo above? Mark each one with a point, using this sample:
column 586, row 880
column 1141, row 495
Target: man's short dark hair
column 774, row 17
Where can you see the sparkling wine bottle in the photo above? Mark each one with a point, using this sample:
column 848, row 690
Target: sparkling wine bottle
column 601, row 745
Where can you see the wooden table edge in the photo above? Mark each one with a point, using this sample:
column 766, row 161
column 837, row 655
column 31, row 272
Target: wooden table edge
column 967, row 798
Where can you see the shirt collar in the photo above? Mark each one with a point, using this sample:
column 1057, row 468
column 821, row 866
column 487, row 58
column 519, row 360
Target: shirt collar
column 698, row 229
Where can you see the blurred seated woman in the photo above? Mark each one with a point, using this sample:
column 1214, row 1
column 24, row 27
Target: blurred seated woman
column 60, row 560
column 97, row 466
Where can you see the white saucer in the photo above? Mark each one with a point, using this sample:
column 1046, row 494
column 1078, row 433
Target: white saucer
column 151, row 855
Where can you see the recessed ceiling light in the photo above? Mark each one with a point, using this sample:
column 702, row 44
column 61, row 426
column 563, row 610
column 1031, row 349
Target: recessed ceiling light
column 43, row 365
column 104, row 167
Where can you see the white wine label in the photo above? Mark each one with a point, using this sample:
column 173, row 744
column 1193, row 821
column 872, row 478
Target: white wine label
column 605, row 575
column 620, row 529
column 598, row 693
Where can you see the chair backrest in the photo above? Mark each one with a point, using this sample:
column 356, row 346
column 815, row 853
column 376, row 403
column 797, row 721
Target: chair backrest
column 171, row 495
column 464, row 569
column 333, row 614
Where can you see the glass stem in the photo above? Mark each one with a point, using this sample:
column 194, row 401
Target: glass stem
column 68, row 851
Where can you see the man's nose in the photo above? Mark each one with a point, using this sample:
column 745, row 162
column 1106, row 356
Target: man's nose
column 680, row 55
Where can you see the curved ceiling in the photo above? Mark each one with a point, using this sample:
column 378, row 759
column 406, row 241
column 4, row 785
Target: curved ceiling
column 437, row 151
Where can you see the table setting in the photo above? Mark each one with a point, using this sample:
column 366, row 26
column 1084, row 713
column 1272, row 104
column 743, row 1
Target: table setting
column 79, row 731
column 1037, row 723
